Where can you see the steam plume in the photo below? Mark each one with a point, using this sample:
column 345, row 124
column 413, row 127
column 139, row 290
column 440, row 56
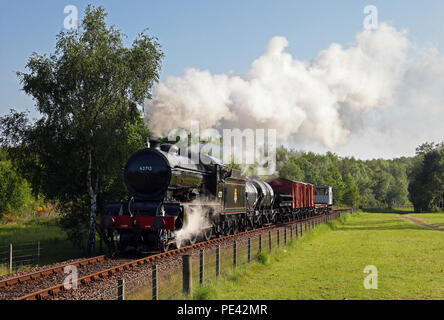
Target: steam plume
column 197, row 220
column 299, row 98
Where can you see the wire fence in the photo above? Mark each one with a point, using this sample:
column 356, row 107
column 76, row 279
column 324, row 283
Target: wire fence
column 14, row 256
column 179, row 276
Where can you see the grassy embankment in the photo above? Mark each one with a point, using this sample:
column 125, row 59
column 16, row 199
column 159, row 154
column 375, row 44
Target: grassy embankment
column 329, row 263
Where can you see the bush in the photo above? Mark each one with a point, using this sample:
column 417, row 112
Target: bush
column 7, row 218
column 15, row 192
column 74, row 220
column 263, row 257
column 202, row 293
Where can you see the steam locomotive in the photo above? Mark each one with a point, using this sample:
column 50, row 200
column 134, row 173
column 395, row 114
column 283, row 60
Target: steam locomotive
column 167, row 189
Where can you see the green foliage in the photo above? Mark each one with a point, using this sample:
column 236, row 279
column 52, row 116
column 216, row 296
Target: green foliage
column 202, row 293
column 87, row 91
column 74, row 222
column 15, row 192
column 351, row 195
column 263, row 257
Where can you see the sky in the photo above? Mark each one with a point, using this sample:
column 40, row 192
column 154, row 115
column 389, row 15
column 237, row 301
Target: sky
column 227, row 37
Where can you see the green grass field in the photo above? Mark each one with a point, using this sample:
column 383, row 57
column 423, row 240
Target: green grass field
column 329, row 264
column 54, row 244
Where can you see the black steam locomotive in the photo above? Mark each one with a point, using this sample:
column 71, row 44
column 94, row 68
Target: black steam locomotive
column 167, row 189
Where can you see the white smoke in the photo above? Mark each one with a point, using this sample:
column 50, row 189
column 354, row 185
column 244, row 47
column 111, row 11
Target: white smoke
column 296, row 97
column 380, row 97
column 196, row 221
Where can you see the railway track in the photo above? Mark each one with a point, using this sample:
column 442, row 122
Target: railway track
column 24, row 287
column 25, row 284
column 10, row 281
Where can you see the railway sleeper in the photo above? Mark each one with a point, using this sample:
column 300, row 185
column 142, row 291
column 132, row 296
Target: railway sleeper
column 24, row 278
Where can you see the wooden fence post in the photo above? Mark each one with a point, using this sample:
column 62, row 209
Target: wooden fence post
column 217, row 261
column 278, row 237
column 38, row 253
column 269, row 241
column 121, row 289
column 154, row 278
column 186, row 273
column 201, row 267
column 260, row 243
column 234, row 254
column 249, row 250
column 285, row 236
column 10, row 258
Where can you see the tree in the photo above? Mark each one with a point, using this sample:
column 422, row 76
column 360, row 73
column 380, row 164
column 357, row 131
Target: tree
column 351, row 194
column 87, row 92
column 397, row 191
column 427, row 177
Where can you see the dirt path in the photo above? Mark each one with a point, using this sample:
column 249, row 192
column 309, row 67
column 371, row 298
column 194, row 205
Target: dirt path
column 421, row 223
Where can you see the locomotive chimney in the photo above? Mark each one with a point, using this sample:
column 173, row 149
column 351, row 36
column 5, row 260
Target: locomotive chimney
column 153, row 143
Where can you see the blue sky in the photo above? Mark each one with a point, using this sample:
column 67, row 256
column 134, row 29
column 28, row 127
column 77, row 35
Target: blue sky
column 220, row 36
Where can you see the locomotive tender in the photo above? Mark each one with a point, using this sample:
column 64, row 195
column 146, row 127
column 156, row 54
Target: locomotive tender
column 167, row 188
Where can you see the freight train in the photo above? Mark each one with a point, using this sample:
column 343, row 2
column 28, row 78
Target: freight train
column 166, row 189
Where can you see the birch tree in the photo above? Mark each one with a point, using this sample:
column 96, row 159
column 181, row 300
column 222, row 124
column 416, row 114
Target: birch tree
column 87, row 92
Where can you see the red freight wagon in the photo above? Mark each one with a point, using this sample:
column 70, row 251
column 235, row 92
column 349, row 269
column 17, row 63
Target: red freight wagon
column 311, row 192
column 299, row 195
column 302, row 193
